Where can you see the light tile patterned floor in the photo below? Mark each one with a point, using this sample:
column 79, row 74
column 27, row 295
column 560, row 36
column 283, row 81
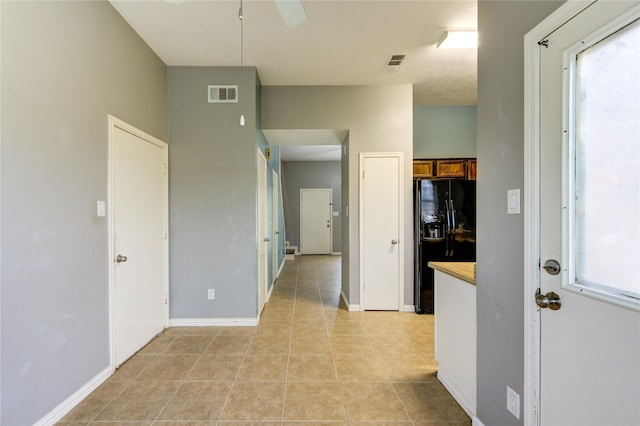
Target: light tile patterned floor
column 309, row 361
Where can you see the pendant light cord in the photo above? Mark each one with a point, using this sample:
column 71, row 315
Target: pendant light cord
column 241, row 17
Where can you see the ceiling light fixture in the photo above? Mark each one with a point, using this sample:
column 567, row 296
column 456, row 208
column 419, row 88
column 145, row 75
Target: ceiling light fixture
column 454, row 39
column 241, row 18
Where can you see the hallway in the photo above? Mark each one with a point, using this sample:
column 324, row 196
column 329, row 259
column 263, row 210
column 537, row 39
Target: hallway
column 309, row 361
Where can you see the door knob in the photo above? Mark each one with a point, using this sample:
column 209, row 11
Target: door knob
column 266, row 240
column 552, row 267
column 394, row 242
column 550, row 300
column 120, row 258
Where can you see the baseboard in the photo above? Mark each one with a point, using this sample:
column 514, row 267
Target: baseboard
column 70, row 403
column 350, row 308
column 336, row 253
column 213, row 322
column 476, row 421
column 408, row 308
column 455, row 391
column 281, row 266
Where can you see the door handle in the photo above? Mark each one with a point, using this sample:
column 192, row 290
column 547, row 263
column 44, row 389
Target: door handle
column 266, row 240
column 552, row 267
column 394, row 242
column 120, row 258
column 550, row 300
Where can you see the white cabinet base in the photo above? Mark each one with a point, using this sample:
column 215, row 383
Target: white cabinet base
column 455, row 338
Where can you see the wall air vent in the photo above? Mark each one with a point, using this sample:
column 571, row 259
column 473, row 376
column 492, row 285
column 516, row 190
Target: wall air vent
column 223, row 94
column 394, row 62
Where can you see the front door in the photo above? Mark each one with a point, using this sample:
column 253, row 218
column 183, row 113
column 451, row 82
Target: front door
column 139, row 225
column 589, row 228
column 380, row 230
column 315, row 221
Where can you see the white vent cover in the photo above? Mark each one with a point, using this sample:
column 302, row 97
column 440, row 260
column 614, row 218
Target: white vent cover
column 394, row 62
column 223, row 94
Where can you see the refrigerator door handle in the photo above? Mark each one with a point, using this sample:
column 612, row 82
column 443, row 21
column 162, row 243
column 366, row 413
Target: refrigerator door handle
column 452, row 212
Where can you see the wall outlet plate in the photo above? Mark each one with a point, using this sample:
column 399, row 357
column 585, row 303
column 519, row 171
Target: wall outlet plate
column 513, row 402
column 211, row 294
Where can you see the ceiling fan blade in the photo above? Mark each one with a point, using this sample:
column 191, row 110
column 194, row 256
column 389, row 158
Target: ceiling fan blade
column 291, row 11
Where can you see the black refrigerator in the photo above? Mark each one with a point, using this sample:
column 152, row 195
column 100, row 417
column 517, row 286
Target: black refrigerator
column 444, row 230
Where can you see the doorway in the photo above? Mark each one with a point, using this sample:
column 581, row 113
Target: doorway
column 275, row 209
column 263, row 234
column 582, row 341
column 138, row 211
column 381, row 224
column 315, row 220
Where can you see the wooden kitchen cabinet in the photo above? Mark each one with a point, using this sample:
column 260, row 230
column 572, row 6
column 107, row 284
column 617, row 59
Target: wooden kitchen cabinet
column 423, row 168
column 471, row 169
column 451, row 169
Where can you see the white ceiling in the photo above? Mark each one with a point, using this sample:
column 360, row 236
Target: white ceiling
column 345, row 42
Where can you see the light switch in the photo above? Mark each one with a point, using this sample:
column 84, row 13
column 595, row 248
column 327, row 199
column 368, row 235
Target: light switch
column 101, row 208
column 513, row 201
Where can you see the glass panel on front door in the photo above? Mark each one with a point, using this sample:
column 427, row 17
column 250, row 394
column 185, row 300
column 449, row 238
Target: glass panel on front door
column 606, row 145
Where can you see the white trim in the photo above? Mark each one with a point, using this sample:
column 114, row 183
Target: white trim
column 114, row 122
column 476, row 421
column 275, row 226
column 408, row 308
column 457, row 393
column 262, row 289
column 350, row 308
column 213, row 322
column 336, row 253
column 70, row 403
column 531, row 391
column 400, row 157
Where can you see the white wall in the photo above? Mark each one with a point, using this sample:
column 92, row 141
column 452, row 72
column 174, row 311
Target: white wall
column 379, row 119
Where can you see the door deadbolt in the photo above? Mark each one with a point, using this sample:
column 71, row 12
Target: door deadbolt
column 552, row 267
column 550, row 300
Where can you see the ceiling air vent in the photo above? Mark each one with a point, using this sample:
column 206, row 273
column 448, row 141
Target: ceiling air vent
column 394, row 62
column 223, row 94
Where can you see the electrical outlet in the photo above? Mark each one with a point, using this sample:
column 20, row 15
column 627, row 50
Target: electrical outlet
column 513, row 402
column 211, row 294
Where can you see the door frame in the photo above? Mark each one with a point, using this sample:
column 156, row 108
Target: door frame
column 275, row 224
column 113, row 123
column 262, row 231
column 401, row 249
column 531, row 210
column 330, row 190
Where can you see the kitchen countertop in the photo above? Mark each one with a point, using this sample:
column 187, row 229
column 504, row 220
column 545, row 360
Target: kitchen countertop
column 466, row 271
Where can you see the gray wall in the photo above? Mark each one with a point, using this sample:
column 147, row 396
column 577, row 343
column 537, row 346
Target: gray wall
column 502, row 26
column 444, row 132
column 379, row 119
column 312, row 174
column 65, row 66
column 213, row 191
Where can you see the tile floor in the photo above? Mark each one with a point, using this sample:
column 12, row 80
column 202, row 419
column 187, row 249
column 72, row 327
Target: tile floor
column 310, row 361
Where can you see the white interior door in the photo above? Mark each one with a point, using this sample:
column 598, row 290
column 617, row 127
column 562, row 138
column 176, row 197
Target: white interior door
column 315, row 220
column 275, row 206
column 263, row 234
column 139, row 224
column 380, row 230
column 589, row 209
